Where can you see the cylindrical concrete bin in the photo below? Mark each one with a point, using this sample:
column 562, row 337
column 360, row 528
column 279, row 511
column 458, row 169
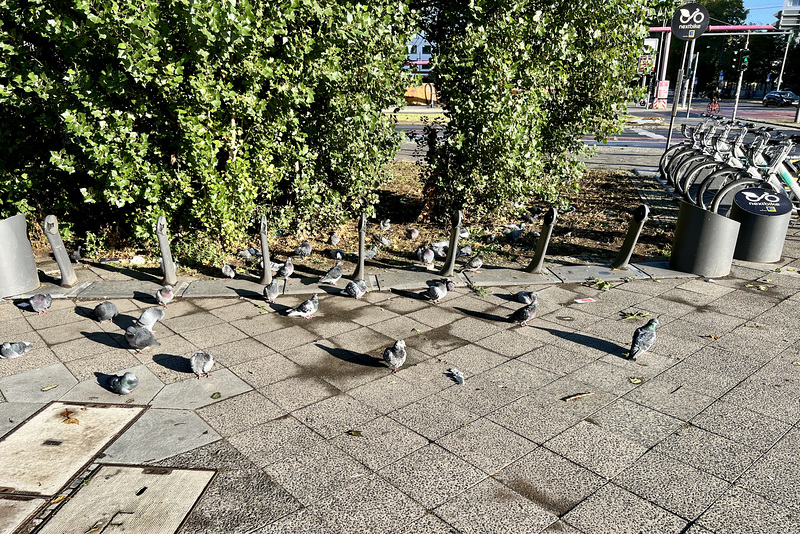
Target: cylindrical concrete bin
column 764, row 216
column 704, row 242
column 17, row 267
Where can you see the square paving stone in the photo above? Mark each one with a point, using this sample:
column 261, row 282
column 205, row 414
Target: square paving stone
column 330, row 326
column 193, row 321
column 243, row 350
column 742, row 512
column 435, row 316
column 287, row 338
column 473, row 329
column 391, row 392
column 342, row 368
column 265, row 370
column 658, row 306
column 39, row 357
column 556, row 359
column 285, row 392
column 399, row 327
column 193, row 393
column 597, row 449
column 89, row 344
column 741, row 425
column 769, row 395
column 433, row 416
column 362, row 340
column 427, row 524
column 367, row 315
column 564, row 390
column 335, row 415
column 535, row 417
column 27, row 386
column 672, row 398
column 635, row 422
column 274, row 440
column 13, row 414
column 486, row 445
column 260, row 323
column 54, row 317
column 672, row 484
column 472, row 359
column 509, row 343
column 787, row 447
column 239, row 413
column 109, row 363
column 432, row 474
column 572, row 317
column 213, row 335
column 382, row 442
column 95, row 389
column 300, row 522
column 62, row 333
column 431, row 374
column 239, row 310
column 492, row 507
column 549, row 480
column 775, row 480
column 605, row 377
column 612, row 509
column 404, row 305
column 435, row 342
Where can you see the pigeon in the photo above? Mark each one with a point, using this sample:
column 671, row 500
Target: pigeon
column 440, row 248
column 412, row 233
column 369, row 254
column 201, row 364
column 385, row 224
column 15, row 349
column 149, row 317
column 395, row 355
column 122, row 385
column 76, row 255
column 489, row 239
column 514, row 235
column 273, row 266
column 438, row 290
column 140, row 338
column 526, row 313
column 336, row 254
column 526, row 297
column 254, row 251
column 643, row 339
column 105, row 311
column 355, row 289
column 456, row 375
column 381, row 241
column 286, row 269
column 165, row 295
column 427, row 256
column 474, row 263
column 271, row 291
column 334, row 239
column 40, row 303
column 464, row 233
column 464, row 252
column 307, row 309
column 333, row 275
column 304, row 250
column 228, row 271
column 245, row 254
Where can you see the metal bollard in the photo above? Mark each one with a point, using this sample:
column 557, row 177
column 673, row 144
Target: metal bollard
column 450, row 262
column 266, row 276
column 362, row 232
column 167, row 264
column 639, row 218
column 68, row 277
column 548, row 223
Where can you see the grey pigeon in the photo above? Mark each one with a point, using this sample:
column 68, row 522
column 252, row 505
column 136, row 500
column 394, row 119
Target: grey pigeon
column 334, row 239
column 228, row 271
column 333, row 275
column 474, row 263
column 271, row 291
column 643, row 339
column 76, row 255
column 140, row 338
column 336, row 254
column 254, row 251
column 412, row 233
column 427, row 256
column 438, row 290
column 440, row 248
column 464, row 233
column 202, row 363
column 123, row 385
column 526, row 313
column 381, row 241
column 286, row 269
column 273, row 266
column 165, row 295
column 516, row 233
column 150, row 317
column 15, row 349
column 355, row 289
column 525, row 297
column 465, row 251
column 456, row 375
column 385, row 224
column 245, row 254
column 395, row 355
column 304, row 250
column 40, row 303
column 369, row 254
column 307, row 309
column 105, row 311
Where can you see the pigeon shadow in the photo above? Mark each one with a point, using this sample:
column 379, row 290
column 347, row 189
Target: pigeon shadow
column 83, row 311
column 141, row 296
column 351, row 356
column 113, row 340
column 179, row 364
column 136, row 274
column 102, row 380
column 511, row 297
column 587, row 341
column 280, row 309
column 124, row 321
column 333, row 290
column 411, row 294
column 482, row 315
column 245, row 293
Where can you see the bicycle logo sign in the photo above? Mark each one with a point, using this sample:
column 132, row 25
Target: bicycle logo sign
column 697, row 17
column 762, row 202
column 690, row 21
column 765, row 197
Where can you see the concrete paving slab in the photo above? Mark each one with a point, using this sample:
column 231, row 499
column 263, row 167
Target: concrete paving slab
column 408, row 280
column 140, row 290
column 14, row 511
column 486, row 445
column 581, row 273
column 740, row 510
column 133, row 499
column 275, row 440
column 96, row 390
column 247, row 288
column 177, row 430
column 194, row 393
column 13, row 414
column 382, row 442
column 492, row 276
column 239, row 413
column 29, row 386
column 660, row 269
column 62, row 434
column 335, row 415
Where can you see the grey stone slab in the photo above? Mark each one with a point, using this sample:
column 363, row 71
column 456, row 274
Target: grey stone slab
column 344, row 369
column 492, row 507
column 786, row 448
column 549, row 480
column 194, row 321
column 362, row 341
column 237, row 414
column 300, row 522
column 671, row 398
column 472, row 359
column 556, row 359
column 382, row 442
column 742, row 512
column 491, row 276
column 534, row 417
column 582, row 273
column 89, row 344
column 509, row 343
column 96, row 390
column 392, row 391
column 284, row 393
column 613, row 509
column 474, row 328
column 213, row 335
column 660, row 269
column 410, row 280
column 139, row 289
column 432, row 474
column 563, row 390
column 635, row 422
column 39, row 357
column 436, row 342
column 274, row 440
column 335, row 415
column 13, row 414
column 239, row 352
column 249, row 288
column 194, row 393
column 27, row 386
column 108, row 363
column 288, row 338
column 589, row 445
column 767, row 394
column 238, row 309
column 177, row 430
column 487, row 445
column 62, row 333
column 265, row 370
column 605, row 377
column 427, row 524
column 433, row 416
column 741, row 425
column 776, row 480
column 399, row 327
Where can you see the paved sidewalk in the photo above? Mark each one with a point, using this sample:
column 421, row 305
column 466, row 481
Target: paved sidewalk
column 309, row 431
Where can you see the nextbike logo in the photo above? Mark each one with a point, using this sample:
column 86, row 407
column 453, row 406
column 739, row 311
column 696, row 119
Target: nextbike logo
column 763, row 197
column 697, row 17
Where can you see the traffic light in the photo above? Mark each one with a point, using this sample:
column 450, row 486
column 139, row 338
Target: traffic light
column 745, row 58
column 735, row 63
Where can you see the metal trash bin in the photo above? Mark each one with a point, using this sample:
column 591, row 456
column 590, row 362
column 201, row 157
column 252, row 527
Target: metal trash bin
column 18, row 272
column 764, row 216
column 704, row 242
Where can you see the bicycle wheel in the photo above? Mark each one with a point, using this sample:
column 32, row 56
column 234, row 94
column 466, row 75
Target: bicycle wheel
column 666, row 157
column 698, row 174
column 714, row 182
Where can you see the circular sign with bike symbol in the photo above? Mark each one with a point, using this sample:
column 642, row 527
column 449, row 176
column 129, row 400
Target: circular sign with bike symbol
column 690, row 21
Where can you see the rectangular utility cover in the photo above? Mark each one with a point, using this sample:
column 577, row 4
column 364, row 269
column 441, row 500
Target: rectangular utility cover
column 131, row 500
column 45, row 453
column 15, row 511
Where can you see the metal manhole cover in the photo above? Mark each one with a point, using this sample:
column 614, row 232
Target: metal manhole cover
column 131, row 499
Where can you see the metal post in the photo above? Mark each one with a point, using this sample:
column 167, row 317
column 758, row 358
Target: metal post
column 691, row 82
column 452, row 252
column 691, row 55
column 783, row 63
column 166, row 255
column 362, row 232
column 674, row 111
column 665, row 59
column 266, row 275
column 739, row 83
column 68, row 278
column 548, row 223
column 637, row 223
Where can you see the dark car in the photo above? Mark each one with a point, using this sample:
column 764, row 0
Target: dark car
column 780, row 98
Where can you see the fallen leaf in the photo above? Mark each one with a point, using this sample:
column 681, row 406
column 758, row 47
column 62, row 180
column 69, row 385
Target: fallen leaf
column 71, row 421
column 635, row 380
column 48, row 388
column 762, row 288
column 712, row 336
column 66, row 413
column 216, row 395
column 578, row 396
column 795, row 363
column 356, row 433
column 749, row 285
column 60, row 498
